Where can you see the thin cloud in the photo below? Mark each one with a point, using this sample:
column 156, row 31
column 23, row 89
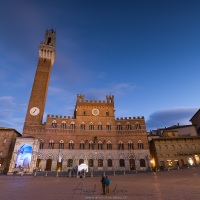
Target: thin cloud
column 165, row 118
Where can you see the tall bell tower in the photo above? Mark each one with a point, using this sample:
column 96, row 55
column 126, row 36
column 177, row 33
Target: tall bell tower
column 47, row 52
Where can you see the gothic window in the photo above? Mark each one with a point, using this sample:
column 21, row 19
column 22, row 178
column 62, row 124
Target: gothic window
column 72, row 126
column 130, row 145
column 100, row 163
column 121, row 163
column 119, row 127
column 41, row 144
column 61, row 144
column 108, row 127
column 71, row 145
column 109, row 163
column 100, row 145
column 137, row 126
column 91, row 162
column 91, row 126
column 82, row 126
column 109, row 145
column 128, row 126
column 51, row 144
column 91, row 145
column 54, row 124
column 107, row 113
column 142, row 163
column 99, row 126
column 63, row 125
column 140, row 145
column 120, row 145
column 82, row 145
column 69, row 163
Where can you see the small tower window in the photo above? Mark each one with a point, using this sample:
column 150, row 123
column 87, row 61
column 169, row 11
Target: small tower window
column 48, row 41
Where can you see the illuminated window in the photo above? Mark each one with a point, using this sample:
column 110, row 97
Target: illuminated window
column 100, row 163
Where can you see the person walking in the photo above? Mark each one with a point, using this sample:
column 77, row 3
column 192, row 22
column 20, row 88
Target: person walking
column 107, row 183
column 103, row 182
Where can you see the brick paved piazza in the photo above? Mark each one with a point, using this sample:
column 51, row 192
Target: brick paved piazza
column 176, row 184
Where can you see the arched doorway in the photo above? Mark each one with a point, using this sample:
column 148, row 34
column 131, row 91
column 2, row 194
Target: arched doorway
column 59, row 166
column 132, row 164
column 81, row 161
column 38, row 163
column 48, row 164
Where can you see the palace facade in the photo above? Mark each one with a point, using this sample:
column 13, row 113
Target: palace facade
column 92, row 135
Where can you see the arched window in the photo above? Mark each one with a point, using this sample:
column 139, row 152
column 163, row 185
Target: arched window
column 121, row 163
column 41, row 144
column 54, row 124
column 91, row 145
column 82, row 145
column 109, row 145
column 100, row 163
column 142, row 163
column 128, row 126
column 100, row 145
column 71, row 145
column 108, row 127
column 81, row 161
column 137, row 126
column 72, row 126
column 107, row 113
column 100, row 126
column 51, row 144
column 140, row 145
column 91, row 163
column 82, row 126
column 120, row 145
column 69, row 163
column 63, row 125
column 109, row 163
column 91, row 126
column 130, row 145
column 119, row 127
column 61, row 144
column 84, row 112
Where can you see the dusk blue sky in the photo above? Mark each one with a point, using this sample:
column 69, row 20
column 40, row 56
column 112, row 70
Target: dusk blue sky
column 145, row 53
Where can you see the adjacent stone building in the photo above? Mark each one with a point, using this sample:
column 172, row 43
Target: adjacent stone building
column 7, row 142
column 195, row 120
column 171, row 149
column 92, row 135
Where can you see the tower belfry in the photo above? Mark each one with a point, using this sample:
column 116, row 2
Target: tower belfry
column 39, row 91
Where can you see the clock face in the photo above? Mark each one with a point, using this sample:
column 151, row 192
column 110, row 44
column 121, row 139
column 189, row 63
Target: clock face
column 34, row 111
column 95, row 111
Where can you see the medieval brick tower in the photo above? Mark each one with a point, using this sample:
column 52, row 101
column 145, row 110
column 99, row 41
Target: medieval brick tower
column 37, row 100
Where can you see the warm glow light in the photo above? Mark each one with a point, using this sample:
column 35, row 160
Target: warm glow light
column 191, row 162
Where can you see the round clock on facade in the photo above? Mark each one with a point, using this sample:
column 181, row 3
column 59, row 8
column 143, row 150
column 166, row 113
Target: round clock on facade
column 34, row 111
column 95, row 111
